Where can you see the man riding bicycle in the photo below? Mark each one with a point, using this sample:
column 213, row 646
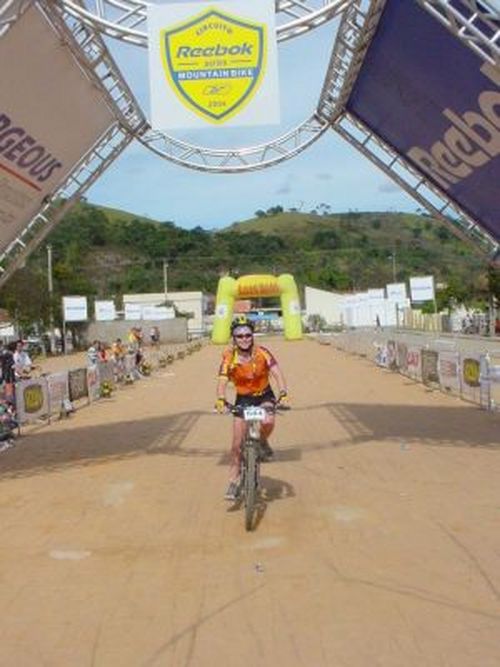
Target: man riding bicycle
column 249, row 368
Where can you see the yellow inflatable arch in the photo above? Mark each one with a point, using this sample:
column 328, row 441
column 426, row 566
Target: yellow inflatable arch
column 245, row 287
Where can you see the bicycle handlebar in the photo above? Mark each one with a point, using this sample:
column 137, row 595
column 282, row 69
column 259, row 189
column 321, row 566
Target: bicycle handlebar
column 237, row 410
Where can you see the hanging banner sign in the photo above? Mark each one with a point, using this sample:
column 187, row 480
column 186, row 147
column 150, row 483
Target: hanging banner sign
column 133, row 311
column 376, row 295
column 105, row 311
column 422, row 289
column 75, row 308
column 47, row 123
column 436, row 103
column 396, row 292
column 213, row 63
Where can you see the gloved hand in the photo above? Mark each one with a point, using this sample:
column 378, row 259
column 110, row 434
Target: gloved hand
column 220, row 405
column 284, row 399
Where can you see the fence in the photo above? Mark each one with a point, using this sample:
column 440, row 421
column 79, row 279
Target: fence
column 40, row 399
column 471, row 375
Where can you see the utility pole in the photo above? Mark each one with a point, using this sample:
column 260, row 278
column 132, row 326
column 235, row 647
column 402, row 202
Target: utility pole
column 165, row 279
column 50, row 285
column 393, row 257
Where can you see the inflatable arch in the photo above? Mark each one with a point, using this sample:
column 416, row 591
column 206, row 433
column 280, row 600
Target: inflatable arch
column 245, row 287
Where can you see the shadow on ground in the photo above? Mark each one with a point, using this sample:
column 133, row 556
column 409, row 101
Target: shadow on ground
column 50, row 449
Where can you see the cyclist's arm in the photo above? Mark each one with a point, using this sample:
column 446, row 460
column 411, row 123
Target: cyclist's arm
column 279, row 378
column 221, row 387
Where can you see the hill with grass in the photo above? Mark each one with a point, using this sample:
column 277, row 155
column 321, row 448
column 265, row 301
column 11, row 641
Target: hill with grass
column 103, row 252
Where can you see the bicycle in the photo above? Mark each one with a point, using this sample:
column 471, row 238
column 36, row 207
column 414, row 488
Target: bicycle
column 251, row 454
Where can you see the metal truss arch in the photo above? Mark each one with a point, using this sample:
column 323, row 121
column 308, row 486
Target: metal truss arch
column 475, row 24
column 415, row 184
column 234, row 160
column 125, row 20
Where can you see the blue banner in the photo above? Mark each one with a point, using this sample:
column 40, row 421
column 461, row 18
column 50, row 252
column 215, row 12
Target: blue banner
column 437, row 104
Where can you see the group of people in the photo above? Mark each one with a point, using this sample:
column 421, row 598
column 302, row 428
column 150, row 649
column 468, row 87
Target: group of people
column 117, row 352
column 15, row 365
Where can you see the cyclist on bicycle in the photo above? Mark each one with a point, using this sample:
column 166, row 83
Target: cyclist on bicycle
column 248, row 367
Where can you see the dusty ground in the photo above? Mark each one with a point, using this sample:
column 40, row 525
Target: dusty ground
column 379, row 545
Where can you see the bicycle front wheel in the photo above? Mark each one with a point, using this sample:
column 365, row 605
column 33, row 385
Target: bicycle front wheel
column 250, row 485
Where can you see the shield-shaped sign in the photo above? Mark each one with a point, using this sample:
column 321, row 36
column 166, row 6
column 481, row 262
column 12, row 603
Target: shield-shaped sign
column 215, row 62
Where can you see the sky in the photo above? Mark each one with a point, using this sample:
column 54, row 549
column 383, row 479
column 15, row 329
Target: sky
column 330, row 171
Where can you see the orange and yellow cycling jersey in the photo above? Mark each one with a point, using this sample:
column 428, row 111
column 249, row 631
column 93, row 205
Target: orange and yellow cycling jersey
column 249, row 377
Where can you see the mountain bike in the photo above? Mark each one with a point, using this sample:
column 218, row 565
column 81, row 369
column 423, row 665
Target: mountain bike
column 251, row 454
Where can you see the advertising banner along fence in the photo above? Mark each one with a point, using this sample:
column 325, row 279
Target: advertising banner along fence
column 429, row 366
column 436, row 103
column 32, row 400
column 78, row 384
column 58, row 389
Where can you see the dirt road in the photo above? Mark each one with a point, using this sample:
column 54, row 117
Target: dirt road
column 379, row 545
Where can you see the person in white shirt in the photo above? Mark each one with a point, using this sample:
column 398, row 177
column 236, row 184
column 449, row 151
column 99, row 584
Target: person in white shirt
column 22, row 362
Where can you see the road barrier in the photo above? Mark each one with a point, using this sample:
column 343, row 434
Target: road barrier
column 472, row 375
column 40, row 399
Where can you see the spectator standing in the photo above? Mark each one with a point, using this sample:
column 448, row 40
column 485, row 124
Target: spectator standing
column 22, row 362
column 8, row 372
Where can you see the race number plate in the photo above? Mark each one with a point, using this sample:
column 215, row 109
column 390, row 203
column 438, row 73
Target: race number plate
column 254, row 413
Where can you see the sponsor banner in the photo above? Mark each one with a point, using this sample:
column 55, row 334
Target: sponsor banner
column 376, row 295
column 105, row 311
column 471, row 371
column 93, row 383
column 213, row 64
column 75, row 308
column 133, row 311
column 153, row 313
column 31, row 400
column 392, row 361
column 436, row 106
column 396, row 292
column 449, row 370
column 77, row 384
column 381, row 355
column 46, row 122
column 422, row 289
column 402, row 357
column 413, row 362
column 429, row 366
column 471, row 377
column 106, row 372
column 58, row 389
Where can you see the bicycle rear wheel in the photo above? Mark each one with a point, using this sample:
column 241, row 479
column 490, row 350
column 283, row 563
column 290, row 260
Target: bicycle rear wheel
column 250, row 484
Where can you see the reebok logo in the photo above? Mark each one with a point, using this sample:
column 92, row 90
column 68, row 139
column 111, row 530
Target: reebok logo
column 471, row 141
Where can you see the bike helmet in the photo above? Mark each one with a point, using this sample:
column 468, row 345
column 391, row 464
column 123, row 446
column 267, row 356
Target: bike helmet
column 242, row 321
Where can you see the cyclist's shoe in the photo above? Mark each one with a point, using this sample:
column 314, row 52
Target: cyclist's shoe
column 232, row 491
column 266, row 451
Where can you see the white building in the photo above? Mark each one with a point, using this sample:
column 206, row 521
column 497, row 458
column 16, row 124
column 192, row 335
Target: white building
column 326, row 304
column 185, row 302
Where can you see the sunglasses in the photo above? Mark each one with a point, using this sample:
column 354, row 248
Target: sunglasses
column 249, row 335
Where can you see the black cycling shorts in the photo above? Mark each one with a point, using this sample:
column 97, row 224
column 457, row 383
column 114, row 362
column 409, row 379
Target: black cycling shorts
column 246, row 400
